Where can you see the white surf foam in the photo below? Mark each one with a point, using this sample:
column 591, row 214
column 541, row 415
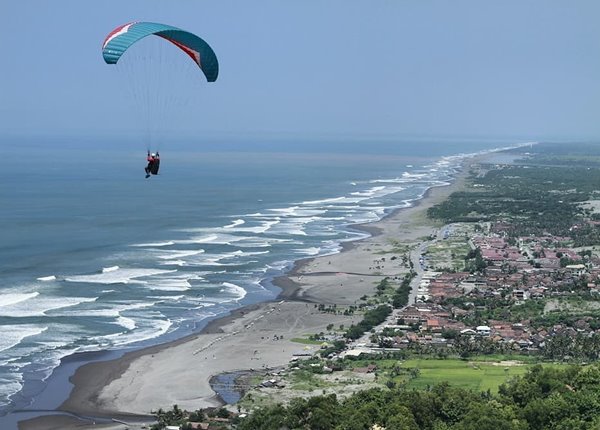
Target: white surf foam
column 41, row 305
column 261, row 242
column 308, row 251
column 240, row 253
column 170, row 285
column 114, row 311
column 147, row 328
column 180, row 263
column 257, row 215
column 126, row 322
column 168, row 298
column 119, row 276
column 173, row 281
column 235, row 223
column 322, row 201
column 110, row 269
column 262, row 228
column 13, row 298
column 177, row 254
column 278, row 265
column 294, row 226
column 154, row 244
column 200, row 239
column 345, row 208
column 218, row 239
column 292, row 232
column 413, row 175
column 368, row 193
column 47, row 278
column 254, row 253
column 405, row 180
column 237, row 291
column 297, row 211
column 98, row 313
column 12, row 335
column 9, row 385
column 254, row 244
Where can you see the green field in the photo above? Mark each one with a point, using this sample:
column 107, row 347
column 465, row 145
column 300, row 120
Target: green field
column 479, row 374
column 448, row 254
column 475, row 375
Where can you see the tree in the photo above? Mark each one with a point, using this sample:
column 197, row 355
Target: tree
column 492, row 416
column 266, row 418
column 400, row 417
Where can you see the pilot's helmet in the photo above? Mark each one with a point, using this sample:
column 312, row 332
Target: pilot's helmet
column 153, row 154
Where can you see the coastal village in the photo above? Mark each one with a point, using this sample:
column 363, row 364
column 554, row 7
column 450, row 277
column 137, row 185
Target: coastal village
column 447, row 304
column 480, row 287
column 533, row 268
column 475, row 289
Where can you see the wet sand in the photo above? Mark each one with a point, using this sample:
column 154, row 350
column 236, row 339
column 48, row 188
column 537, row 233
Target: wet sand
column 258, row 336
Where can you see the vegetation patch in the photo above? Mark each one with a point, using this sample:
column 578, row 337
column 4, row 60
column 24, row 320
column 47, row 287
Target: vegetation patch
column 306, row 341
column 305, row 380
column 479, row 375
column 448, row 255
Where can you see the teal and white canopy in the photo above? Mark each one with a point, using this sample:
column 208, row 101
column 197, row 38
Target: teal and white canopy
column 122, row 37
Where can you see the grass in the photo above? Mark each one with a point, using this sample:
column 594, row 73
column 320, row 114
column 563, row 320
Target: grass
column 448, row 254
column 479, row 374
column 525, row 359
column 306, row 341
column 398, row 248
column 307, row 381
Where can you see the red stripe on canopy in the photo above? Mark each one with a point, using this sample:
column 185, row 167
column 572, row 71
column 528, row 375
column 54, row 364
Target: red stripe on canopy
column 195, row 55
column 117, row 31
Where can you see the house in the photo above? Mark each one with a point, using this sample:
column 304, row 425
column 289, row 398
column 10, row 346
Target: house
column 483, row 330
column 520, row 294
column 433, row 325
column 576, row 269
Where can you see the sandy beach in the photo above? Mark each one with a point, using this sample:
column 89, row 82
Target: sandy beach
column 255, row 337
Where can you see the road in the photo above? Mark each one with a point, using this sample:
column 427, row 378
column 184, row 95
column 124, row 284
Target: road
column 419, row 269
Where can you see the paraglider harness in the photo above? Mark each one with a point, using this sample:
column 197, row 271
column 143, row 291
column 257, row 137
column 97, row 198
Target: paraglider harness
column 153, row 164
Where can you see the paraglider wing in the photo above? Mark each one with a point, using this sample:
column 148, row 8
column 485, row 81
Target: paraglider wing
column 122, row 37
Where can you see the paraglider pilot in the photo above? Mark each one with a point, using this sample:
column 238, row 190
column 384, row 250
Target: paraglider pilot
column 153, row 163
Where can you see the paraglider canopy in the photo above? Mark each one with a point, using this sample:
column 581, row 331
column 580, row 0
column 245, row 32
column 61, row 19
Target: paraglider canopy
column 122, row 37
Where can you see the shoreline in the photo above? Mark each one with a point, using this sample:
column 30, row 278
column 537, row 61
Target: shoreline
column 109, row 388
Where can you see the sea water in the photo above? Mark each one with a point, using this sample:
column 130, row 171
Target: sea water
column 95, row 257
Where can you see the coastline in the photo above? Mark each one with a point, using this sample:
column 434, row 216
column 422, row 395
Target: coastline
column 254, row 336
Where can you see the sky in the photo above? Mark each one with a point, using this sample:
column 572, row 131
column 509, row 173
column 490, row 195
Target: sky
column 523, row 69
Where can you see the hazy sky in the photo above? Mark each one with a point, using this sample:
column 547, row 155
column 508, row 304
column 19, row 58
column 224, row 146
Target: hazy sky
column 523, row 69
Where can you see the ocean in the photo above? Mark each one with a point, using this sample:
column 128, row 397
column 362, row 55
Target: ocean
column 95, row 257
